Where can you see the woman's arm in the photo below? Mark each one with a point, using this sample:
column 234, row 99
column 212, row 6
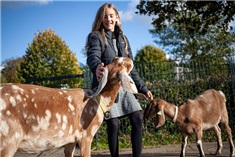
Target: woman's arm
column 94, row 52
column 135, row 76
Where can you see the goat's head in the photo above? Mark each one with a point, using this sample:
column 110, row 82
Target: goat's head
column 117, row 71
column 156, row 109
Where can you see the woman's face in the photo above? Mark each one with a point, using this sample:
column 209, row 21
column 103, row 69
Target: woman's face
column 110, row 19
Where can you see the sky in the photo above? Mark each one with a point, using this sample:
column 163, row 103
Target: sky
column 70, row 20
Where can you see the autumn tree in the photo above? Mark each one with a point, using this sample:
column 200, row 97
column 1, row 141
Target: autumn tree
column 151, row 60
column 9, row 74
column 150, row 53
column 49, row 56
column 191, row 29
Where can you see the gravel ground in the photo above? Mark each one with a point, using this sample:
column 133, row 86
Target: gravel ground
column 164, row 151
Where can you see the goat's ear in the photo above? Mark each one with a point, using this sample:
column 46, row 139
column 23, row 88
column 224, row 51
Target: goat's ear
column 141, row 96
column 149, row 111
column 160, row 116
column 127, row 83
column 102, row 82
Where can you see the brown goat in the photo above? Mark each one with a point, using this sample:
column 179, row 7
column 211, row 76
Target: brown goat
column 36, row 118
column 206, row 111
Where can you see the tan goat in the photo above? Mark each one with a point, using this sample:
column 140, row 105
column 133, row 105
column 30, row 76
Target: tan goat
column 206, row 111
column 36, row 118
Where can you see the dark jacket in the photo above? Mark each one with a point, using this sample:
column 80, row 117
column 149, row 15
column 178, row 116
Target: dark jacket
column 98, row 53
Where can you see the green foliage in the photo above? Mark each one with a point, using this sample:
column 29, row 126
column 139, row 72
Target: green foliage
column 100, row 140
column 192, row 16
column 206, row 76
column 155, row 70
column 169, row 133
column 49, row 56
column 3, row 78
column 9, row 73
column 150, row 53
column 149, row 60
column 181, row 45
column 192, row 29
column 202, row 74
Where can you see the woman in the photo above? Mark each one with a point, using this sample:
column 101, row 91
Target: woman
column 105, row 42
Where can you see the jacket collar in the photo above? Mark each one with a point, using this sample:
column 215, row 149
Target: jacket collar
column 109, row 34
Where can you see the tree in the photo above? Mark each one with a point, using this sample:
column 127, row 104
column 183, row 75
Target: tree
column 182, row 27
column 49, row 56
column 149, row 61
column 10, row 71
column 193, row 16
column 150, row 53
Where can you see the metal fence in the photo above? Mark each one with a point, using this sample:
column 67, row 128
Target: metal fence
column 174, row 81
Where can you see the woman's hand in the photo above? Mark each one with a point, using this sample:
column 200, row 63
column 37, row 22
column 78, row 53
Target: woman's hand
column 100, row 71
column 149, row 95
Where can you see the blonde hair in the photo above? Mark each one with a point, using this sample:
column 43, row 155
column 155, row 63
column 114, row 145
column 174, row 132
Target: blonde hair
column 98, row 22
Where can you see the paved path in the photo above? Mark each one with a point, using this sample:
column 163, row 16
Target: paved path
column 163, row 151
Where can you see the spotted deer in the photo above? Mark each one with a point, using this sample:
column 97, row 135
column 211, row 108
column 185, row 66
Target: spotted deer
column 35, row 118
